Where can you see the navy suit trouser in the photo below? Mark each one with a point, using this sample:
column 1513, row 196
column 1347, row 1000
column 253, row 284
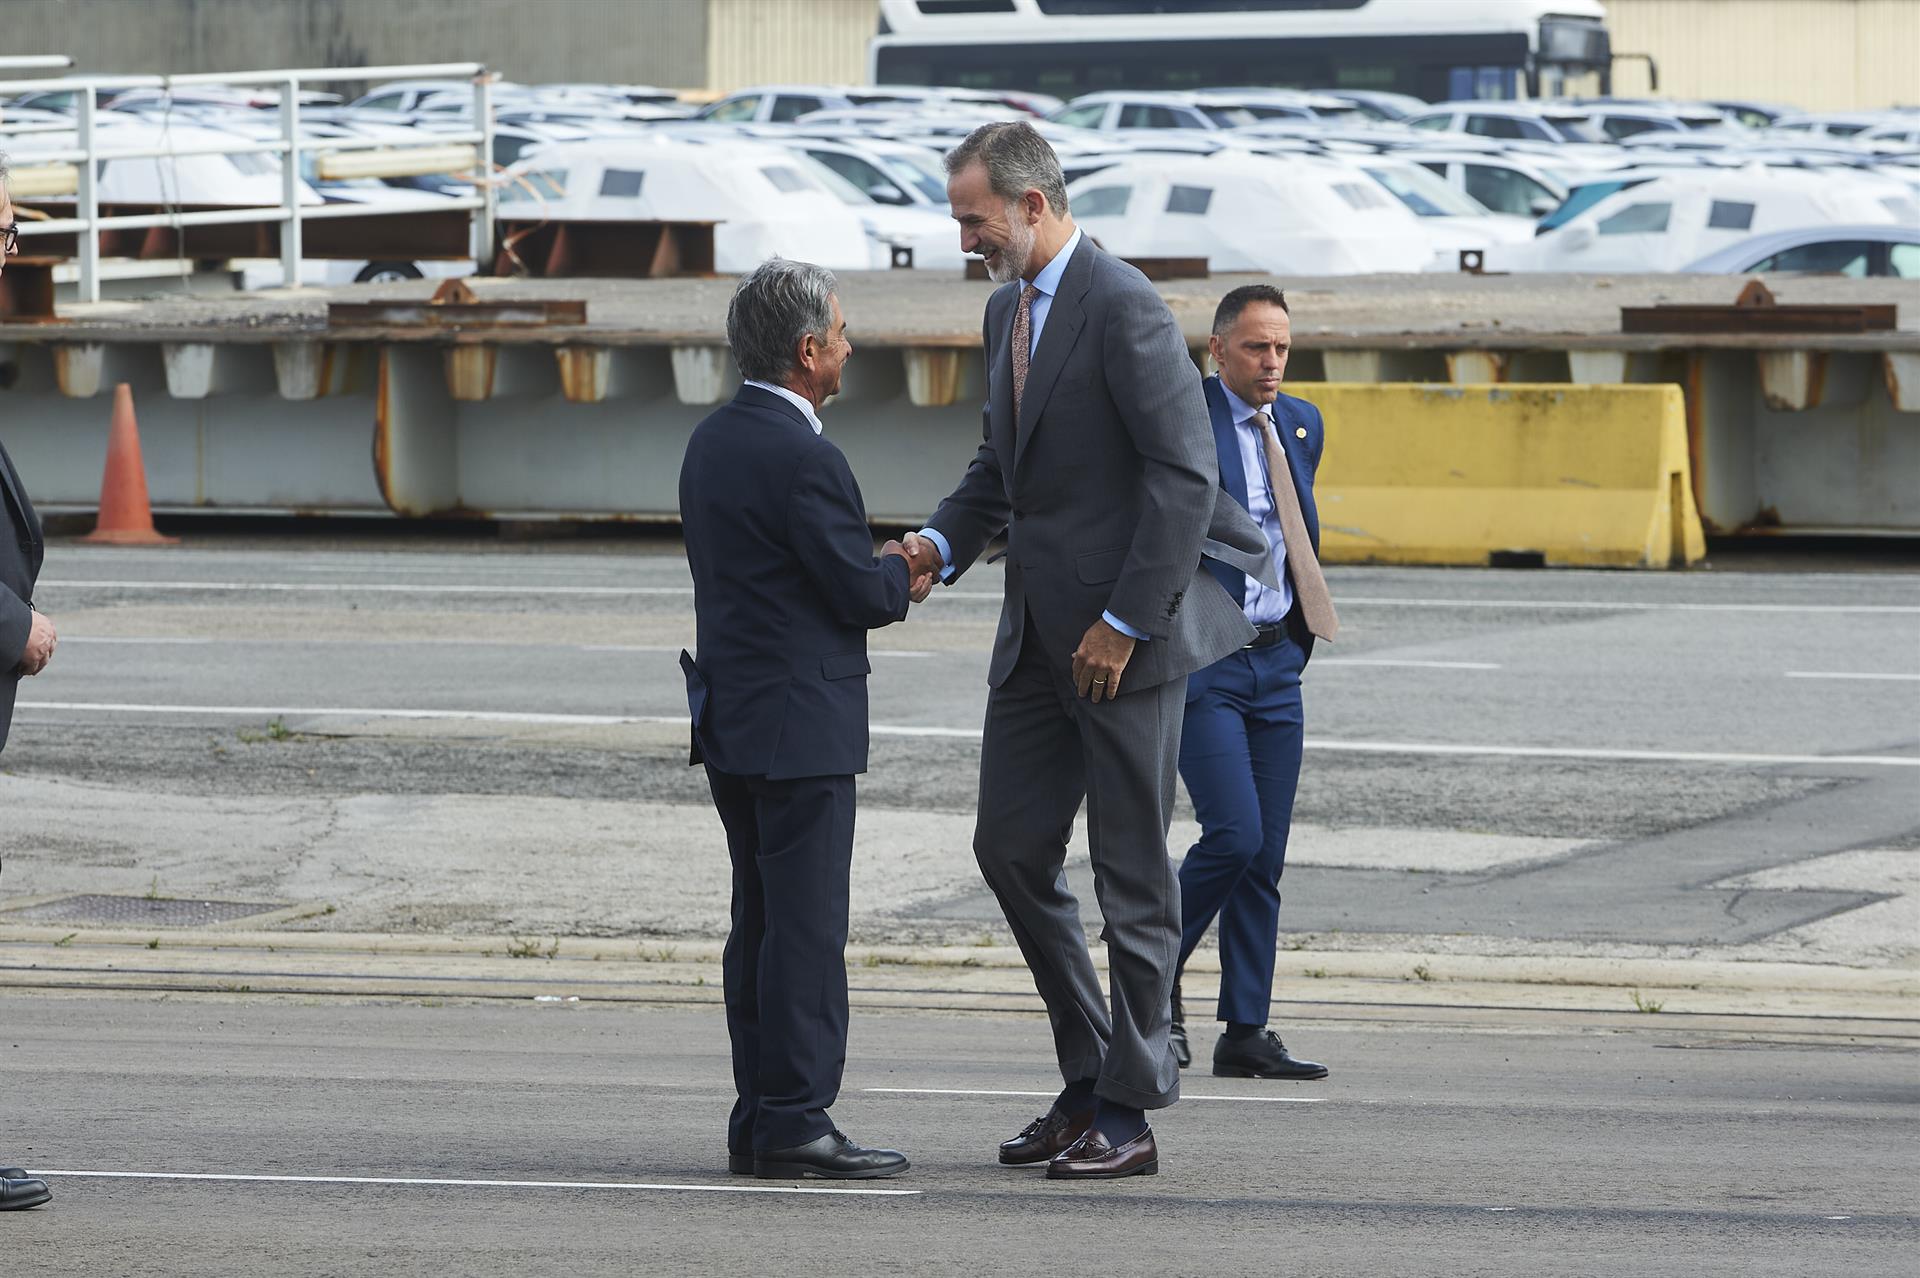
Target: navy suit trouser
column 1240, row 759
column 785, row 966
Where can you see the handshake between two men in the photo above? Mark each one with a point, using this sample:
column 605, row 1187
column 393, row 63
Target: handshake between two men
column 1099, row 661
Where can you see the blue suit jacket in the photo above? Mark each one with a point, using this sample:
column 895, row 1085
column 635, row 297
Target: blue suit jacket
column 785, row 588
column 1290, row 416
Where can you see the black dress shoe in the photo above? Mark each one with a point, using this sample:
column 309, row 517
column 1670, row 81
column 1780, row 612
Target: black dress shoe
column 14, row 1173
column 18, row 1194
column 1262, row 1056
column 739, row 1164
column 1094, row 1157
column 1177, row 1038
column 832, row 1157
column 1045, row 1136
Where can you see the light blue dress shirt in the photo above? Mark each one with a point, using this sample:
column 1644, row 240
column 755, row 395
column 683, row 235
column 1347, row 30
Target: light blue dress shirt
column 1264, row 607
column 798, row 401
column 1045, row 284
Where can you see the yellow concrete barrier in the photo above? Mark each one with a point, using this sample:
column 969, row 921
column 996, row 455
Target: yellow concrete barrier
column 1565, row 475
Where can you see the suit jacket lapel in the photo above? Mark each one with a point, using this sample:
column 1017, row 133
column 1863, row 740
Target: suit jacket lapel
column 1233, row 472
column 1000, row 387
column 1064, row 317
column 16, row 493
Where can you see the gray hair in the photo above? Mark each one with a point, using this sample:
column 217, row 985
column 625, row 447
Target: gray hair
column 4, row 170
column 777, row 303
column 1018, row 160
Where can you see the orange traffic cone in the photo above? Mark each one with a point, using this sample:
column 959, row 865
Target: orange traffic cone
column 126, row 517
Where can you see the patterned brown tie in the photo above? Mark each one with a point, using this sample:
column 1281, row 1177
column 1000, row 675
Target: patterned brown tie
column 1309, row 584
column 1022, row 345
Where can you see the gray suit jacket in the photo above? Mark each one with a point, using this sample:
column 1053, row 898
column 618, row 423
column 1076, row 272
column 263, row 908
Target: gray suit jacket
column 1107, row 487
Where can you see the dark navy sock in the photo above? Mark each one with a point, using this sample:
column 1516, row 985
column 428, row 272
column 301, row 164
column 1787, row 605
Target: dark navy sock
column 1118, row 1123
column 1076, row 1097
column 1239, row 1032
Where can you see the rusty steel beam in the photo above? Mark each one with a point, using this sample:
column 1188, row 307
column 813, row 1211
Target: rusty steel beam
column 434, row 234
column 617, row 250
column 1758, row 319
column 26, row 291
column 455, row 315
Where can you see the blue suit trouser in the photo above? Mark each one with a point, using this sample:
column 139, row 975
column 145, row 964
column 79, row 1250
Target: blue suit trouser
column 785, row 967
column 1240, row 759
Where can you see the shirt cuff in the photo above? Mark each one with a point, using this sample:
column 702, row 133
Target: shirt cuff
column 1124, row 628
column 946, row 551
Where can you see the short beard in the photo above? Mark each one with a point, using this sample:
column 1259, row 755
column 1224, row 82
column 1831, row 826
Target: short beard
column 1017, row 252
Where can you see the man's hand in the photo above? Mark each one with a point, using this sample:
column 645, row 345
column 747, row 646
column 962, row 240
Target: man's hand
column 924, row 555
column 41, row 641
column 919, row 581
column 1103, row 653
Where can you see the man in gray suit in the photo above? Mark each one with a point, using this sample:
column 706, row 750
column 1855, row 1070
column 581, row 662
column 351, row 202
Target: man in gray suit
column 1098, row 464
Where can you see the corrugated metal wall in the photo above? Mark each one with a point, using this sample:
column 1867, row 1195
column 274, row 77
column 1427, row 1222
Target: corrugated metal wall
column 788, row 41
column 1828, row 55
column 533, row 41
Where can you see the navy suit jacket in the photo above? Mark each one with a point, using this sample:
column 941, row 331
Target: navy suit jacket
column 785, row 588
column 1290, row 416
column 21, row 552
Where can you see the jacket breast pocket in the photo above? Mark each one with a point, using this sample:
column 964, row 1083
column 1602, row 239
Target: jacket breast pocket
column 1101, row 566
column 844, row 665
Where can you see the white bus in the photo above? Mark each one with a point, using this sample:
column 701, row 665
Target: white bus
column 1437, row 50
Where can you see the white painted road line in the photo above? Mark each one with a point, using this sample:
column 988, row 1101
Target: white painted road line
column 1380, row 601
column 1410, row 665
column 1842, row 674
column 138, row 642
column 1185, row 1096
column 973, row 734
column 363, row 588
column 481, row 1184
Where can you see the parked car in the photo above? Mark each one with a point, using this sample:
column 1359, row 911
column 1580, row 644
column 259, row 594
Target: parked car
column 1663, row 222
column 1858, row 251
column 1520, row 121
column 776, row 104
column 765, row 200
column 1293, row 216
column 1502, row 183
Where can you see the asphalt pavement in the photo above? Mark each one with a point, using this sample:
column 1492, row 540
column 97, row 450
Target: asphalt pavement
column 227, row 1135
column 361, row 915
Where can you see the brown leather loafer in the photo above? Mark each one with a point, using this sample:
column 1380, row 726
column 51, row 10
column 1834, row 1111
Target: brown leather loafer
column 1045, row 1137
column 1092, row 1157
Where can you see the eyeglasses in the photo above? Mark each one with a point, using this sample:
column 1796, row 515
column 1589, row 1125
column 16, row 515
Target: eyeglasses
column 11, row 232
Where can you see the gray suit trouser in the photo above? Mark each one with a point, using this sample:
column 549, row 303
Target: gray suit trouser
column 1043, row 751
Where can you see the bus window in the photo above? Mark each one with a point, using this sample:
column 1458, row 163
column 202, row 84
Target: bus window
column 1106, row 201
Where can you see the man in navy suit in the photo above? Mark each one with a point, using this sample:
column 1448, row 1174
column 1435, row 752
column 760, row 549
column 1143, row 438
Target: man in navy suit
column 1240, row 751
column 786, row 586
column 27, row 640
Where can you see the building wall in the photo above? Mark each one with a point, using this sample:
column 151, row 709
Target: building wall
column 1824, row 55
column 619, row 41
column 788, row 41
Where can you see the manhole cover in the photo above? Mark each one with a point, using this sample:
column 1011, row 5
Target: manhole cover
column 139, row 911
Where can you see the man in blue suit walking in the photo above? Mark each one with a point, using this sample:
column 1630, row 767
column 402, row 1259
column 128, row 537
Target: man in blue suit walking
column 785, row 588
column 1240, row 750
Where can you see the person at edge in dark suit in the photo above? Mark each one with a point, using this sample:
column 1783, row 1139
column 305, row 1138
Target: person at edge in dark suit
column 1240, row 752
column 786, row 586
column 27, row 639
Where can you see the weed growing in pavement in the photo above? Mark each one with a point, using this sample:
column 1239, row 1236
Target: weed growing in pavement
column 529, row 947
column 660, row 954
column 1646, row 1004
column 65, row 941
column 154, row 944
column 1298, row 942
column 1421, row 972
column 153, row 889
column 277, row 730
column 1317, row 973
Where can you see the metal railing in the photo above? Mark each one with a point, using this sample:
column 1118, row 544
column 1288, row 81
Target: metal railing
column 88, row 155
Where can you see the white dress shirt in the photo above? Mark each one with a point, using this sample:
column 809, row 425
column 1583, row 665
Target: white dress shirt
column 1264, row 607
column 798, row 401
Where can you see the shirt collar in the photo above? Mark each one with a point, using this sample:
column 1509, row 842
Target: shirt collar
column 1242, row 410
column 1048, row 280
column 798, row 401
